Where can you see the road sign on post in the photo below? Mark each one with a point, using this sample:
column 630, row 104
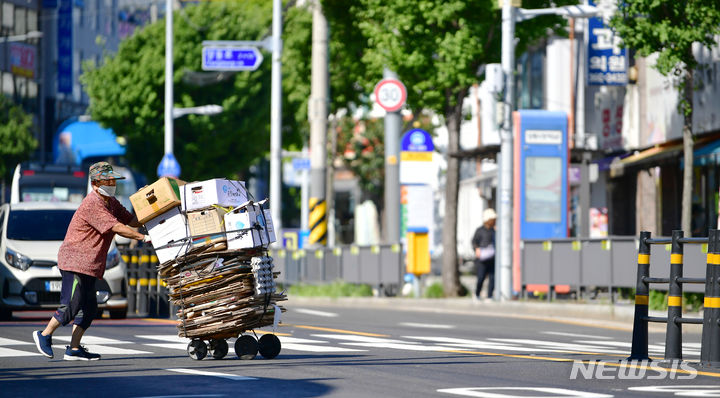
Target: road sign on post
column 227, row 58
column 390, row 94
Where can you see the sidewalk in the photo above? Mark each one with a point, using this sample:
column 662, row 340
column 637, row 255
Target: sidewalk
column 618, row 316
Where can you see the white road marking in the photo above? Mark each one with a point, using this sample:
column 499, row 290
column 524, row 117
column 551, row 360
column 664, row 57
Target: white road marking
column 297, row 344
column 166, row 338
column 9, row 352
column 93, row 340
column 539, row 344
column 426, row 325
column 196, row 372
column 589, row 336
column 315, row 312
column 472, row 344
column 6, row 341
column 485, row 392
column 169, row 346
column 375, row 342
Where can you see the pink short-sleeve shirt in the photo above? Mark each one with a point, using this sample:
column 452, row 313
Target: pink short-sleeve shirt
column 90, row 234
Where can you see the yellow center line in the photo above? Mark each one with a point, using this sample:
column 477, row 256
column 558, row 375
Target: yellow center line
column 338, row 330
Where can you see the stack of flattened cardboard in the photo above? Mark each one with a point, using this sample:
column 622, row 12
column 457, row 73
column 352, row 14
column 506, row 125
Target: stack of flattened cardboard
column 221, row 289
column 216, row 295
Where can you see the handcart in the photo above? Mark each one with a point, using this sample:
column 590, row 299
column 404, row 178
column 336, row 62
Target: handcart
column 225, row 294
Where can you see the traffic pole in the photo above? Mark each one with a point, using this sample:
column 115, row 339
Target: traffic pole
column 710, row 346
column 317, row 113
column 639, row 350
column 142, row 304
column 673, row 336
column 132, row 269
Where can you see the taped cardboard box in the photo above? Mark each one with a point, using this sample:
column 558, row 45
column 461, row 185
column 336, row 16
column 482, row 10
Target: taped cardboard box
column 207, row 228
column 218, row 191
column 156, row 198
column 170, row 235
column 241, row 226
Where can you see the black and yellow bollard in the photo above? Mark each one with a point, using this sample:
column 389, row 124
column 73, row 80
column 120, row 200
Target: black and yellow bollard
column 673, row 336
column 710, row 347
column 132, row 269
column 143, row 268
column 639, row 349
column 317, row 221
column 152, row 285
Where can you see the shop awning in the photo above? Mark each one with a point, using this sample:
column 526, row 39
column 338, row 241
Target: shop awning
column 89, row 140
column 656, row 155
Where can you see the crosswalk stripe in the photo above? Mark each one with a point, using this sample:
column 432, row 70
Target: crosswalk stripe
column 426, row 325
column 315, row 312
column 9, row 352
column 196, row 372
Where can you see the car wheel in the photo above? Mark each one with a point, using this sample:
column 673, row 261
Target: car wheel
column 118, row 314
column 5, row 314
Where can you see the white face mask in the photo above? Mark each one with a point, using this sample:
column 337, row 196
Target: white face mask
column 107, row 190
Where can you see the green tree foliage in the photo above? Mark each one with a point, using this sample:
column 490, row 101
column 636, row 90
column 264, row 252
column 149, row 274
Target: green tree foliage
column 437, row 48
column 670, row 29
column 127, row 90
column 16, row 136
column 361, row 146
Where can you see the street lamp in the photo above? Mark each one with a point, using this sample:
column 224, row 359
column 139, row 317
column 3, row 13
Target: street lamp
column 197, row 110
column 510, row 15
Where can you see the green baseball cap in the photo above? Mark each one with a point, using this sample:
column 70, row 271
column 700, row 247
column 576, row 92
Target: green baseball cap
column 103, row 171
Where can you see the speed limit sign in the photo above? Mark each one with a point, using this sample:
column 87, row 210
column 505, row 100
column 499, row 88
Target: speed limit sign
column 390, row 94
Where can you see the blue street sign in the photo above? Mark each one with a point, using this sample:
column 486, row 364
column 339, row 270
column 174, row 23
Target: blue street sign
column 231, row 58
column 169, row 166
column 416, row 140
column 301, row 164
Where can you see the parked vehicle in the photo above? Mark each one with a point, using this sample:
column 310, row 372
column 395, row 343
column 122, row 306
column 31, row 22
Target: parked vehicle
column 30, row 236
column 39, row 182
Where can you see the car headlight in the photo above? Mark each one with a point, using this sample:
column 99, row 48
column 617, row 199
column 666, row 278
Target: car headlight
column 113, row 258
column 17, row 260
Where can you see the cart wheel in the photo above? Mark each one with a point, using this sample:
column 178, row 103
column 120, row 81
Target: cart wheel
column 269, row 346
column 218, row 348
column 246, row 347
column 197, row 349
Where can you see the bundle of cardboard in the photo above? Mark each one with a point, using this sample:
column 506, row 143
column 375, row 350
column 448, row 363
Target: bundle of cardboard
column 211, row 243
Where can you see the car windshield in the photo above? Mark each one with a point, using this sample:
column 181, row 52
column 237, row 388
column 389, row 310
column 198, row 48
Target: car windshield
column 38, row 224
column 52, row 194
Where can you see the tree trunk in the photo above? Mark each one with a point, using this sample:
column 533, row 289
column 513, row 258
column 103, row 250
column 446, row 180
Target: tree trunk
column 687, row 111
column 450, row 273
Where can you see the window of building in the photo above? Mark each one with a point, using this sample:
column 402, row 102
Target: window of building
column 8, row 87
column 8, row 15
column 20, row 21
column 32, row 20
column 530, row 82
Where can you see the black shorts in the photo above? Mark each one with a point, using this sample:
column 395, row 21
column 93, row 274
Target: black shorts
column 78, row 299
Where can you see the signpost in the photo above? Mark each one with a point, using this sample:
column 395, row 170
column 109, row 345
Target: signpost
column 229, row 58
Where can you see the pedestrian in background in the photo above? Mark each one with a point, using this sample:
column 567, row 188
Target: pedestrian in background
column 81, row 260
column 483, row 242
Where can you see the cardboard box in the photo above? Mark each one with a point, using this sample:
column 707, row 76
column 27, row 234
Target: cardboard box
column 269, row 227
column 218, row 191
column 170, row 234
column 207, row 227
column 240, row 226
column 155, row 199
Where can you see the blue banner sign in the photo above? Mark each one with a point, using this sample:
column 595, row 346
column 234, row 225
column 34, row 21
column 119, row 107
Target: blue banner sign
column 417, row 140
column 231, row 58
column 65, row 48
column 607, row 62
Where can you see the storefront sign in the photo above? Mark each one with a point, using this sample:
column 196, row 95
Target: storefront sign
column 22, row 59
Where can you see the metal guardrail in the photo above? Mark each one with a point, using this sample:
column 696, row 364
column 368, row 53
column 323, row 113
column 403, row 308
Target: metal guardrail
column 710, row 343
column 377, row 265
column 586, row 263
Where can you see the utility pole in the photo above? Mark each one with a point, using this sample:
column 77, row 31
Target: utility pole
column 504, row 242
column 393, row 124
column 276, row 119
column 317, row 114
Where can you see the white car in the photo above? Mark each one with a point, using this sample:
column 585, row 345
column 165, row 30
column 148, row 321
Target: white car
column 30, row 236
